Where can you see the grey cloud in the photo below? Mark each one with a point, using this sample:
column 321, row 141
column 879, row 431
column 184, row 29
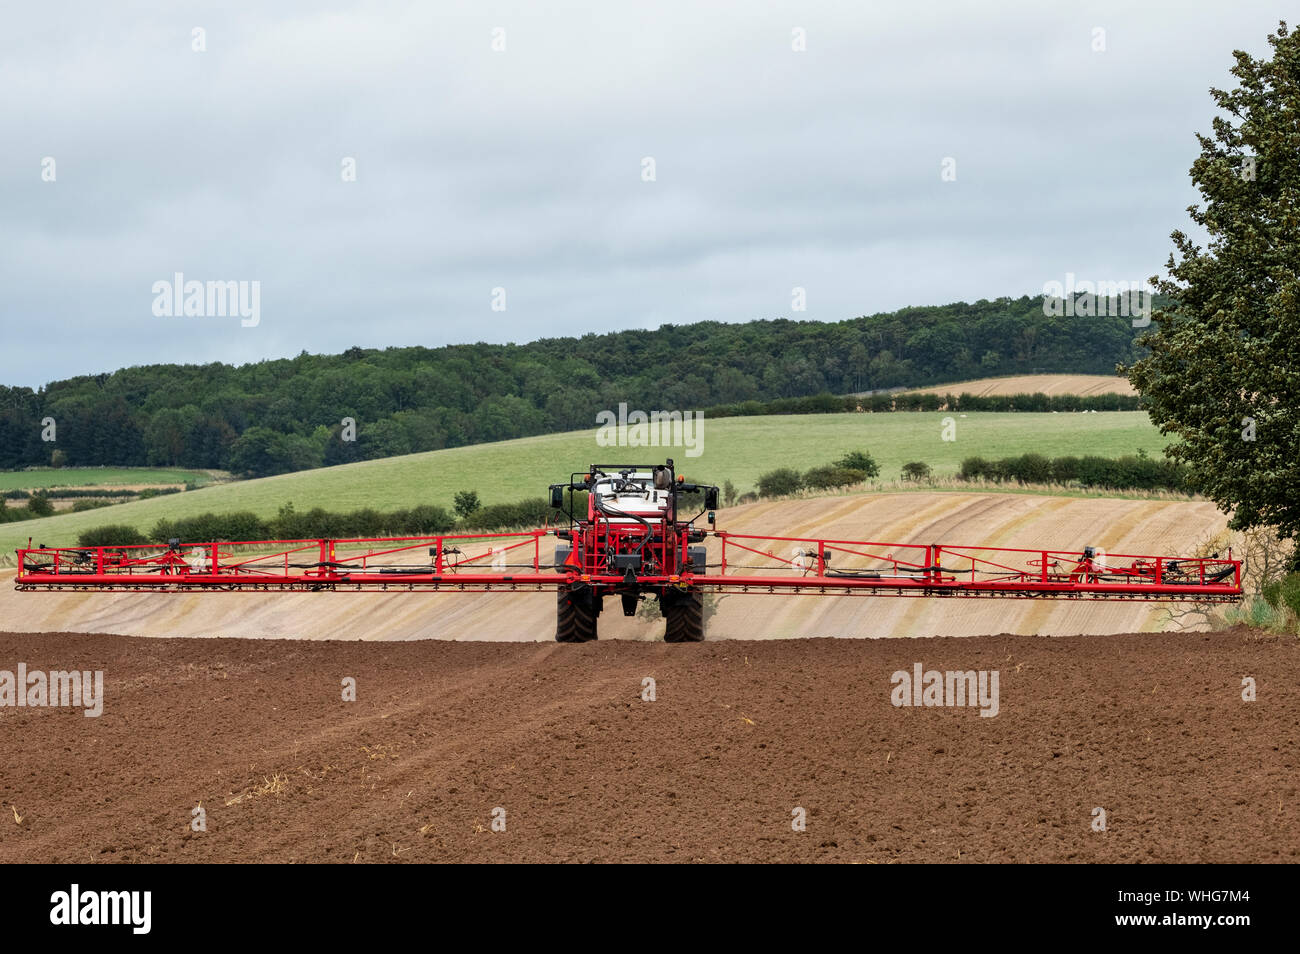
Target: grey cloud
column 522, row 169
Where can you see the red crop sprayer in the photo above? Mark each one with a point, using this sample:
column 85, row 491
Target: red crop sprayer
column 637, row 540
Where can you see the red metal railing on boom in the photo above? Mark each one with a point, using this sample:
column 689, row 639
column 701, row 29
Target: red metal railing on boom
column 894, row 569
column 289, row 564
column 744, row 563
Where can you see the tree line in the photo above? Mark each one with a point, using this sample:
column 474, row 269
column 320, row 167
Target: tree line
column 1131, row 472
column 297, row 413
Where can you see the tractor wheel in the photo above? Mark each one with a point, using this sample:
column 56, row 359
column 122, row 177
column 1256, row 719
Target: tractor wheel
column 575, row 617
column 685, row 616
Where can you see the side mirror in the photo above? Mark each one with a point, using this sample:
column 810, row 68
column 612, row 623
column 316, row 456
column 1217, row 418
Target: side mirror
column 711, row 498
column 557, row 497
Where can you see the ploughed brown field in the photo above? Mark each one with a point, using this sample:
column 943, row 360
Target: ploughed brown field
column 1150, row 727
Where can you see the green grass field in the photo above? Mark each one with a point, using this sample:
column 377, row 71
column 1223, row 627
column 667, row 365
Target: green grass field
column 106, row 477
column 737, row 449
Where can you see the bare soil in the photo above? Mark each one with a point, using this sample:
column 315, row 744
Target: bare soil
column 1150, row 727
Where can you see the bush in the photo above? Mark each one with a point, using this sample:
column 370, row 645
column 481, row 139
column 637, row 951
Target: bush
column 492, row 517
column 728, row 493
column 1288, row 593
column 1031, row 469
column 1256, row 613
column 426, row 520
column 536, row 511
column 1122, row 473
column 780, row 482
column 39, row 505
column 747, row 497
column 210, row 527
column 1065, row 469
column 527, row 513
column 316, row 523
column 916, row 470
column 111, row 535
column 1098, row 472
column 829, row 478
column 466, row 502
column 859, row 460
column 366, row 522
column 150, row 492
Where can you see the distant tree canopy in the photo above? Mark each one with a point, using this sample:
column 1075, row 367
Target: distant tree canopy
column 1221, row 374
column 284, row 415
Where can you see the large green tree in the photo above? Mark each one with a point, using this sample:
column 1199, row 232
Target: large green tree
column 1222, row 373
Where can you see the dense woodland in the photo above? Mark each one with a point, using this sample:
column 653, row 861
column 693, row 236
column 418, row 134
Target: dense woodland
column 285, row 415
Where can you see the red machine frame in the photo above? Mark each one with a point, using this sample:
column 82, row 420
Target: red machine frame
column 742, row 563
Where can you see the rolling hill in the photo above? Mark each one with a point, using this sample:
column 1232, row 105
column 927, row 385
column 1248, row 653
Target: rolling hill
column 735, row 449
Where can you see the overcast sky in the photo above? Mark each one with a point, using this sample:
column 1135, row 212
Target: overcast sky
column 524, row 168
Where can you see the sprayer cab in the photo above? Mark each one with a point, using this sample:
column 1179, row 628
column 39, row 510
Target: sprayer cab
column 639, row 526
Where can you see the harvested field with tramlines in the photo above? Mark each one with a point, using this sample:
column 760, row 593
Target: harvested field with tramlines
column 1083, row 385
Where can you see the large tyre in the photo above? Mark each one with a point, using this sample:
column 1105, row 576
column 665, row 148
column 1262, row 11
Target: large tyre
column 575, row 616
column 685, row 615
